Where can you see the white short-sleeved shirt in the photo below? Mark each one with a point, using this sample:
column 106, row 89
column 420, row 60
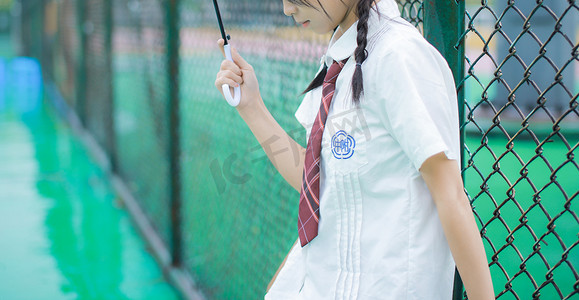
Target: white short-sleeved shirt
column 379, row 233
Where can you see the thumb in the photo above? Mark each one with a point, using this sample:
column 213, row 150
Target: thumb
column 239, row 60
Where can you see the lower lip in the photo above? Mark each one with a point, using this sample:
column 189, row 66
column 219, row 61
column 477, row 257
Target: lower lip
column 305, row 24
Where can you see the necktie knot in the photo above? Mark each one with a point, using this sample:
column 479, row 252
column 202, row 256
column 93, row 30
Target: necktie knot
column 334, row 71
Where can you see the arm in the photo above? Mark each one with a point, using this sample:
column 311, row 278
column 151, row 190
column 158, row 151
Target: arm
column 442, row 177
column 286, row 154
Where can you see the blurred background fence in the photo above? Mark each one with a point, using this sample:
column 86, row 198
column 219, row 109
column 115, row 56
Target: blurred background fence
column 138, row 75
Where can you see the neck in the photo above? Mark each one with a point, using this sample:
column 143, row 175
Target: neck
column 349, row 20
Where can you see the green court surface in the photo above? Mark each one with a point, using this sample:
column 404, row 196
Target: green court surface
column 63, row 232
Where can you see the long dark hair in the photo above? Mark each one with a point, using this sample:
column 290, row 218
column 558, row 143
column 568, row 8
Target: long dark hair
column 360, row 54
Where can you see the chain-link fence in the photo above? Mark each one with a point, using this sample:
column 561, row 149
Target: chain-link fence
column 140, row 73
column 412, row 11
column 522, row 134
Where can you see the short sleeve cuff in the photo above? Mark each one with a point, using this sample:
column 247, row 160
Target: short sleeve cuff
column 433, row 149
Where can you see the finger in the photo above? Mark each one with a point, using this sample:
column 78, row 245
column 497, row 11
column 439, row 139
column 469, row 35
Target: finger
column 239, row 60
column 219, row 85
column 230, row 66
column 221, row 81
column 229, row 78
column 228, row 74
column 220, row 43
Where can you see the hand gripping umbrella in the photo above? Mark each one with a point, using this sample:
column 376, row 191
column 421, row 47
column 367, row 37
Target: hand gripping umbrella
column 232, row 100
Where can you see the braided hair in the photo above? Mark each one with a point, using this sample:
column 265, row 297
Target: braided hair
column 360, row 54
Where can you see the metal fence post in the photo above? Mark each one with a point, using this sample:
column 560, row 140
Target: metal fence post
column 24, row 29
column 81, row 67
column 110, row 125
column 32, row 18
column 40, row 53
column 444, row 28
column 174, row 145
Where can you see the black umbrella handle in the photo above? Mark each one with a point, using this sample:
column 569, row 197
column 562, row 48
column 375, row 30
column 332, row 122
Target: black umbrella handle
column 223, row 35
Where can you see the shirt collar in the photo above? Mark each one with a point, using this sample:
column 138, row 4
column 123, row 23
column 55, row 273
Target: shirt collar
column 345, row 46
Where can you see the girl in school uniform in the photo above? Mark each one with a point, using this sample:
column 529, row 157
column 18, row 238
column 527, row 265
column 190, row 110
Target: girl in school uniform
column 382, row 210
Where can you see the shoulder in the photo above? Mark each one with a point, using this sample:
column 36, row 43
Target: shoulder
column 395, row 40
column 399, row 49
column 402, row 61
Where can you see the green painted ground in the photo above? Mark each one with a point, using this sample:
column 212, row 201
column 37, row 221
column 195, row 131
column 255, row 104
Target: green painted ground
column 63, row 233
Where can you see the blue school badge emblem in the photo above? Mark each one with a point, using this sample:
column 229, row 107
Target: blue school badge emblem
column 343, row 145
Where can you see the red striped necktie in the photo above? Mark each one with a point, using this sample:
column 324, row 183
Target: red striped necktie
column 309, row 209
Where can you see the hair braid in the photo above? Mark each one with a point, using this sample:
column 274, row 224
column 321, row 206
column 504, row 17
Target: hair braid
column 318, row 80
column 363, row 12
column 360, row 54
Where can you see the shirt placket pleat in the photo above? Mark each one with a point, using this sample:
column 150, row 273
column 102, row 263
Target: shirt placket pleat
column 349, row 203
column 350, row 198
column 357, row 224
column 342, row 236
